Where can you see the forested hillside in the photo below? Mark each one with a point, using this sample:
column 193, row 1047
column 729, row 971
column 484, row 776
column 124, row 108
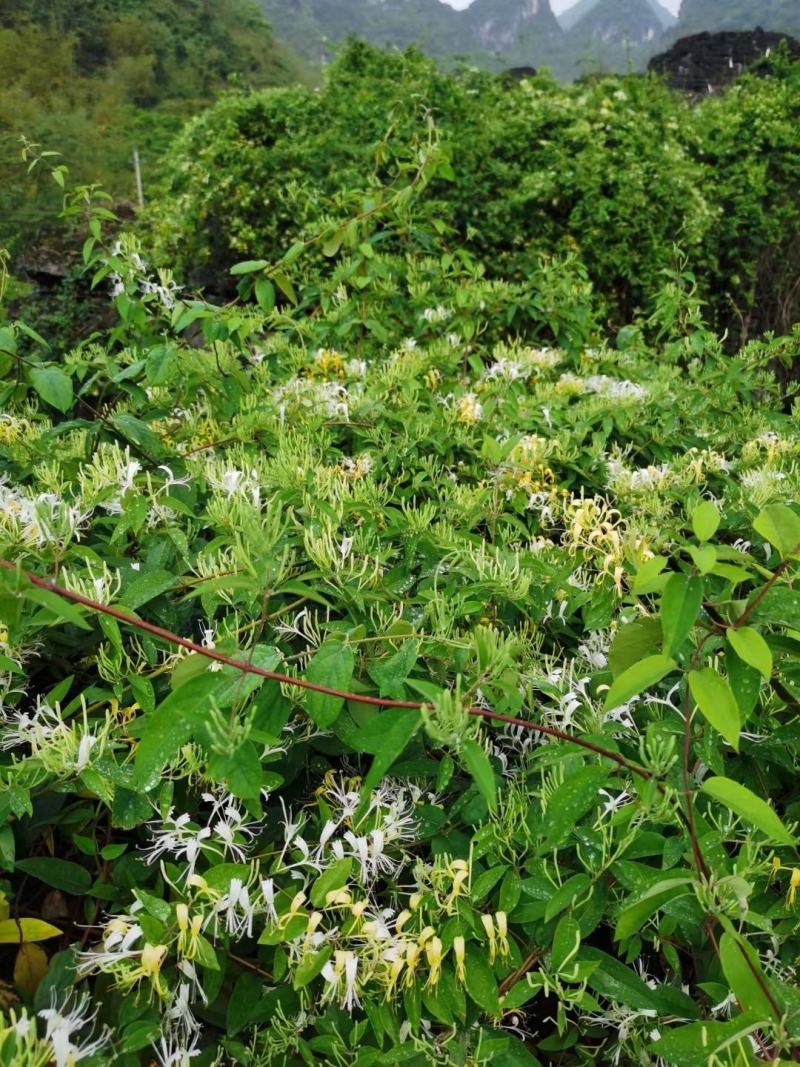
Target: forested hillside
column 98, row 77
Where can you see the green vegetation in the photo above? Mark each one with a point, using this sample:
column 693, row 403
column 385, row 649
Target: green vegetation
column 99, row 78
column 400, row 652
column 617, row 172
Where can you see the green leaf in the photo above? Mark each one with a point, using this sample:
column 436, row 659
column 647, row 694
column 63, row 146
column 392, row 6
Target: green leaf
column 716, row 701
column 700, row 1044
column 333, row 878
column 146, row 587
column 58, row 605
column 402, row 726
column 570, row 802
column 139, row 1035
column 53, row 386
column 632, row 643
column 750, row 646
column 169, row 727
column 779, row 525
column 742, row 970
column 749, row 807
column 636, row 915
column 23, row 931
column 479, row 980
column 160, row 364
column 613, row 979
column 566, row 943
column 65, row 875
column 249, row 266
column 635, row 679
column 649, row 578
column 680, row 603
column 331, row 666
column 564, row 896
column 705, row 558
column 705, row 520
column 310, row 966
column 745, row 682
column 477, row 763
column 333, row 243
column 780, row 606
column 265, row 294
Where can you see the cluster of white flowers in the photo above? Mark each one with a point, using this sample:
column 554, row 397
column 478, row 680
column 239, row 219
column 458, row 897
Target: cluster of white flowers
column 133, row 272
column 62, row 747
column 513, row 364
column 637, row 480
column 226, row 834
column 615, row 388
column 233, row 482
column 378, row 851
column 39, row 519
column 437, row 314
column 312, row 396
column 69, row 1033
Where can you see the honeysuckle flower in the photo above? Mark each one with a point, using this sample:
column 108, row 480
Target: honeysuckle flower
column 341, row 977
column 794, row 884
column 63, row 1025
column 189, row 930
column 487, row 922
column 268, row 898
column 236, row 909
column 177, row 837
column 458, row 954
column 171, row 1051
column 179, row 1019
column 501, row 919
column 433, row 954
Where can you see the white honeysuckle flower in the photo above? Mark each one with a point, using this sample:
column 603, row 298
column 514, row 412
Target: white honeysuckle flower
column 236, row 910
column 179, row 1017
column 171, row 479
column 63, row 1024
column 341, row 977
column 171, row 1052
column 612, row 803
column 268, row 898
column 178, row 838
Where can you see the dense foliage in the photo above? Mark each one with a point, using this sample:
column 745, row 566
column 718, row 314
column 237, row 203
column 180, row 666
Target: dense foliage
column 617, row 171
column 395, row 667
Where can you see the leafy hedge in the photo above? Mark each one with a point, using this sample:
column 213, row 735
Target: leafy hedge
column 393, row 668
column 618, row 170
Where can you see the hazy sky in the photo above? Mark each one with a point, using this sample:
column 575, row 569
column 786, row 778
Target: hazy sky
column 561, row 5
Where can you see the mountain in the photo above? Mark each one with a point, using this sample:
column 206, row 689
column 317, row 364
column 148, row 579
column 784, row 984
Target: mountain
column 615, row 35
column 699, row 15
column 574, row 14
column 512, row 26
column 519, row 30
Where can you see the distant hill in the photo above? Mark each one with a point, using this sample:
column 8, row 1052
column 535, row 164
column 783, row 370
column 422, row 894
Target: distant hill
column 491, row 32
column 592, row 35
column 574, row 14
column 697, row 16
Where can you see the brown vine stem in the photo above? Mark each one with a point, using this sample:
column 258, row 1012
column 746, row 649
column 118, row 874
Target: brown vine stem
column 301, row 683
column 779, row 570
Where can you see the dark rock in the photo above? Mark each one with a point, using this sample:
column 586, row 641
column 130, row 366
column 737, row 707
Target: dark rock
column 706, row 62
column 518, row 73
column 44, row 265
